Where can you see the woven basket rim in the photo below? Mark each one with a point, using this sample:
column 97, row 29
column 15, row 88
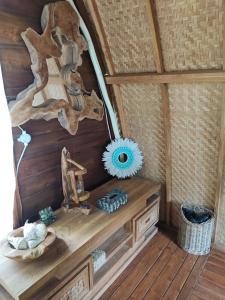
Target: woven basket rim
column 199, row 206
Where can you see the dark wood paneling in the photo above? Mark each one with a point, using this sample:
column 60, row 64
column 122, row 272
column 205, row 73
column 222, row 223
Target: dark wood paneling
column 39, row 176
column 15, row 58
column 12, row 25
column 29, row 9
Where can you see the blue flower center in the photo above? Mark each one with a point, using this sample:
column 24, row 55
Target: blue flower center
column 118, row 153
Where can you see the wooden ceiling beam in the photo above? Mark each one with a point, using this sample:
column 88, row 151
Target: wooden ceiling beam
column 199, row 76
column 155, row 37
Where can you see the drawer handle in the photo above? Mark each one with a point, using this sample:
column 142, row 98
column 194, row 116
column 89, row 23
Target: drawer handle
column 148, row 220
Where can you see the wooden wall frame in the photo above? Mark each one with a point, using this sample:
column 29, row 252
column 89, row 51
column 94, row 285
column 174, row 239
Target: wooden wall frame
column 221, row 157
column 158, row 57
column 196, row 76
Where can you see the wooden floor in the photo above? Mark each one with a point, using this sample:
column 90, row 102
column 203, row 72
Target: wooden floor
column 164, row 271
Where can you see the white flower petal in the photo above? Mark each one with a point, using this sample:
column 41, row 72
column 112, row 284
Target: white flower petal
column 126, row 172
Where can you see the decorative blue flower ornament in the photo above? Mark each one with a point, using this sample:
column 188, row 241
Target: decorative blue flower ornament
column 123, row 158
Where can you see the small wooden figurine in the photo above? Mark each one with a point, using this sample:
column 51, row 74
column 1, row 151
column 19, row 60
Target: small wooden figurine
column 73, row 184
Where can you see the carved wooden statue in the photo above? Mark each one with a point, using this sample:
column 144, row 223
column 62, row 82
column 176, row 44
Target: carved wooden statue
column 72, row 182
column 58, row 90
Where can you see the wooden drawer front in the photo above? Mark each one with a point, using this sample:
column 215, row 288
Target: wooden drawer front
column 146, row 220
column 76, row 288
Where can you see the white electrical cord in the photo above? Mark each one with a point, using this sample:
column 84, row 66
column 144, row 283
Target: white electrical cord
column 19, row 161
column 24, row 138
column 98, row 73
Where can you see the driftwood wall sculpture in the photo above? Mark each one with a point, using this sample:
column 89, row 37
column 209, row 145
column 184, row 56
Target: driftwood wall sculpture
column 57, row 90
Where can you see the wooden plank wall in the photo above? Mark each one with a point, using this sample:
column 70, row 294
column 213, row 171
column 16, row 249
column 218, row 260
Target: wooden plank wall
column 39, row 178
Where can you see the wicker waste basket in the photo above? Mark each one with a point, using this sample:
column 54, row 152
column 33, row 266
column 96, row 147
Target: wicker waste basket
column 196, row 238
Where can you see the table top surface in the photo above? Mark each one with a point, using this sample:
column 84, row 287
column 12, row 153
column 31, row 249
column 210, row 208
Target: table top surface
column 76, row 232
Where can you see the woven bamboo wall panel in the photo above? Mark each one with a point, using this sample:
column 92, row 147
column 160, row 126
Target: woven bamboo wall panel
column 143, row 112
column 127, row 31
column 191, row 33
column 195, row 127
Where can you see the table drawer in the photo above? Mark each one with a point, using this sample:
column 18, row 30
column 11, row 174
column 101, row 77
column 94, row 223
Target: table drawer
column 76, row 288
column 145, row 219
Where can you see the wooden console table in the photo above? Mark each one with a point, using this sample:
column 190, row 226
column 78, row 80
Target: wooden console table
column 65, row 271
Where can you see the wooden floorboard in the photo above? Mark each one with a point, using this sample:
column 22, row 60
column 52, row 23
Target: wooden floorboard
column 181, row 277
column 192, row 278
column 166, row 277
column 211, row 286
column 194, row 296
column 144, row 263
column 137, row 268
column 205, row 293
column 153, row 274
column 164, row 271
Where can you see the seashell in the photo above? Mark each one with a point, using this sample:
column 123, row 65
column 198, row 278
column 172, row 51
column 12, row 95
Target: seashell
column 18, row 243
column 34, row 243
column 29, row 231
column 41, row 231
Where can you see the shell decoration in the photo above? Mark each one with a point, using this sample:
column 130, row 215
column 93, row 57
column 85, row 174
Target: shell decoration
column 19, row 243
column 33, row 235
